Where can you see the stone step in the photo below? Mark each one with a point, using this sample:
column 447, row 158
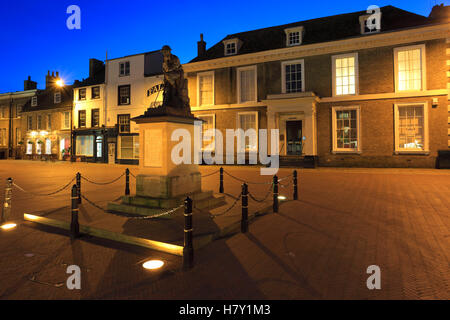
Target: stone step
column 199, row 201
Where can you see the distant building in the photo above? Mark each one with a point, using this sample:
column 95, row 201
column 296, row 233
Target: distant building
column 133, row 84
column 341, row 91
column 89, row 135
column 47, row 122
column 11, row 104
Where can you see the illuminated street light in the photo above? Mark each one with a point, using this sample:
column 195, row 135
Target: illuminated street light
column 153, row 264
column 60, row 83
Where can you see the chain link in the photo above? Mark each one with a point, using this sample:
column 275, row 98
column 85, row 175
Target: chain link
column 248, row 182
column 210, row 174
column 261, row 200
column 102, row 183
column 227, row 210
column 131, row 216
column 44, row 194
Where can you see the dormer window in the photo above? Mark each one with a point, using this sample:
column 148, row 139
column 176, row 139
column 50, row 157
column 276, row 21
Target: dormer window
column 294, row 36
column 370, row 23
column 231, row 46
column 57, row 97
column 34, row 101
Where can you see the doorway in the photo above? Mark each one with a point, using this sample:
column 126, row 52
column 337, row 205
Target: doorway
column 111, row 153
column 294, row 137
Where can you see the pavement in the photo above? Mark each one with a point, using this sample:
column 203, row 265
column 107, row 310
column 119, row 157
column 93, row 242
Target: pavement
column 318, row 247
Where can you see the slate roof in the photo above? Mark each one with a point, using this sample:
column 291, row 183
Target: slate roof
column 45, row 99
column 331, row 28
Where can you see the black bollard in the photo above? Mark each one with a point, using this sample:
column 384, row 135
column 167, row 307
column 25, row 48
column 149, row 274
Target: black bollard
column 188, row 249
column 295, row 186
column 78, row 179
column 6, row 209
column 275, row 194
column 244, row 220
column 74, row 226
column 221, row 180
column 127, row 182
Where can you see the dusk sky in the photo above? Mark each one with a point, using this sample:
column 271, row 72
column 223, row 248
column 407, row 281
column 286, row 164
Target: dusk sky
column 35, row 37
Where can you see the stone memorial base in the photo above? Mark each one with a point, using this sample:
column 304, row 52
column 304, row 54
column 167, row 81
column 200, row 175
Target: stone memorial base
column 162, row 184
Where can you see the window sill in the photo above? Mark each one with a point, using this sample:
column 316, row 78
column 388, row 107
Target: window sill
column 346, row 152
column 412, row 152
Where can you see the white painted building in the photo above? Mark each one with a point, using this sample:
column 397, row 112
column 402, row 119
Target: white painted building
column 133, row 84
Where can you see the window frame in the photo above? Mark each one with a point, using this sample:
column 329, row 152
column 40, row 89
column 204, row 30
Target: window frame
column 333, row 73
column 79, row 94
column 39, row 125
column 92, row 118
column 124, row 63
column 29, row 122
column 92, row 93
column 334, row 147
column 129, row 122
column 238, row 126
column 129, row 95
column 226, row 43
column 288, row 32
column 34, row 101
column 119, row 146
column 200, row 74
column 422, row 48
column 238, row 82
column 426, row 147
column 55, row 100
column 283, row 74
column 49, row 121
column 63, row 118
column 80, row 112
column 213, row 115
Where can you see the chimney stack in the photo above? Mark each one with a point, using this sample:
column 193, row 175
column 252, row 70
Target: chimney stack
column 95, row 66
column 440, row 13
column 50, row 80
column 29, row 85
column 201, row 47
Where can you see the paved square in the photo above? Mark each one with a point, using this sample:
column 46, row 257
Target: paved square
column 316, row 248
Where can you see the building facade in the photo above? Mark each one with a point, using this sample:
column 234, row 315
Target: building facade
column 89, row 133
column 339, row 90
column 133, row 84
column 46, row 121
column 11, row 104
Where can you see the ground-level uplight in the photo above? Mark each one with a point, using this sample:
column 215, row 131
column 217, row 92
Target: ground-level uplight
column 282, row 198
column 153, row 264
column 8, row 226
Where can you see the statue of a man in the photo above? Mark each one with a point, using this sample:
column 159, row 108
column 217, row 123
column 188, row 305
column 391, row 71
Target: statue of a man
column 175, row 85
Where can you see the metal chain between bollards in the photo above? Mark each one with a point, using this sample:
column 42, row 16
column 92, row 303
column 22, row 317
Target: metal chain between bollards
column 103, row 183
column 43, row 194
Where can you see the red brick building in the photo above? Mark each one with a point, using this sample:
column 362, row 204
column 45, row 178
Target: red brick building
column 357, row 89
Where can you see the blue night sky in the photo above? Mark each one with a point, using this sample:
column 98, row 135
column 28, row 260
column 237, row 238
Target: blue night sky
column 35, row 38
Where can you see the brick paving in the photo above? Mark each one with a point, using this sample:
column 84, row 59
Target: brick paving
column 316, row 248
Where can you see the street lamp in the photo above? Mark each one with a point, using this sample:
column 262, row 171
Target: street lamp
column 60, row 83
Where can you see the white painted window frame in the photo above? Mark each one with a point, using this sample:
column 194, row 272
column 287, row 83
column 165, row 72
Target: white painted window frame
column 63, row 118
column 213, row 115
column 283, row 73
column 230, row 41
column 333, row 70
column 34, row 101
column 238, row 126
column 200, row 74
column 426, row 148
column 424, row 67
column 288, row 31
column 335, row 149
column 238, row 82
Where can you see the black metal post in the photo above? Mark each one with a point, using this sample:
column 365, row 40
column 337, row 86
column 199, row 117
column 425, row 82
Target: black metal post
column 74, row 226
column 78, row 179
column 6, row 209
column 127, row 182
column 275, row 193
column 295, row 186
column 244, row 220
column 221, row 180
column 188, row 249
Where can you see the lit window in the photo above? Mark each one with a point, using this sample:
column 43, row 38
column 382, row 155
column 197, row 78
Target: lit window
column 249, row 121
column 124, row 68
column 292, row 73
column 95, row 93
column 345, row 74
column 411, row 127
column 18, row 136
column 346, row 132
column 84, row 146
column 205, row 88
column 409, row 68
column 208, row 127
column 66, row 120
column 2, row 136
column 246, row 81
column 128, row 147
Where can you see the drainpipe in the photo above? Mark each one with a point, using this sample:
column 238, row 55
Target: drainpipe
column 105, row 119
column 10, row 136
